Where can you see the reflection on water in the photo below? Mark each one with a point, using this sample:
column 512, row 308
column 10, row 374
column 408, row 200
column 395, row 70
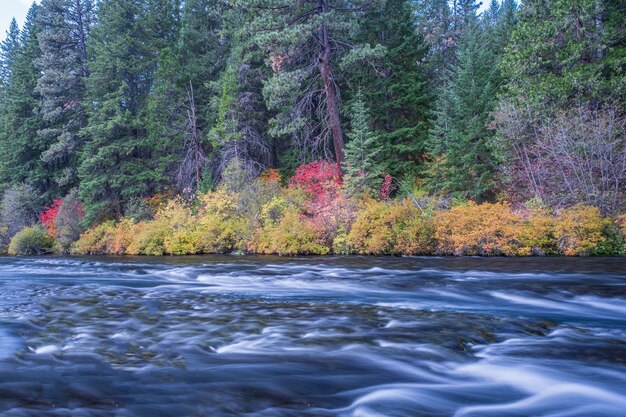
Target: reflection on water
column 221, row 336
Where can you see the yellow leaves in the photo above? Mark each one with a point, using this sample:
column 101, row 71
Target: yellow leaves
column 472, row 229
column 287, row 224
column 292, row 234
column 579, row 230
column 397, row 228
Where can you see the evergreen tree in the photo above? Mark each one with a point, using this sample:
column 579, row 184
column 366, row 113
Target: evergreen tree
column 442, row 23
column 462, row 162
column 20, row 145
column 361, row 166
column 188, row 67
column 395, row 87
column 305, row 42
column 65, row 26
column 566, row 52
column 8, row 52
column 119, row 162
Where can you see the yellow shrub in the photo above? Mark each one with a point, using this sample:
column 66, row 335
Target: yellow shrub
column 381, row 228
column 486, row 229
column 220, row 235
column 579, row 230
column 220, row 203
column 220, row 227
column 292, row 235
column 121, row 237
column 95, row 240
column 149, row 238
column 537, row 235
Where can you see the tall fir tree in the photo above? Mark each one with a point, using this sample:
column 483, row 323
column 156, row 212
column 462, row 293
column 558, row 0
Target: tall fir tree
column 395, row 87
column 119, row 162
column 306, row 41
column 20, row 145
column 362, row 165
column 188, row 67
column 65, row 27
column 8, row 52
column 462, row 161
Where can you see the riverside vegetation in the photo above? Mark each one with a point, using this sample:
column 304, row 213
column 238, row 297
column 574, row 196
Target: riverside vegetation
column 314, row 215
column 404, row 127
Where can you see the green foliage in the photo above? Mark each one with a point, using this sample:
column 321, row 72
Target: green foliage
column 33, row 240
column 395, row 86
column 20, row 144
column 120, row 161
column 62, row 84
column 564, row 51
column 462, row 163
column 361, row 166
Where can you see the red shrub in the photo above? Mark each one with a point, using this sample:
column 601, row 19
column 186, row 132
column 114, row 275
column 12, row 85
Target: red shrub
column 317, row 178
column 387, row 187
column 48, row 217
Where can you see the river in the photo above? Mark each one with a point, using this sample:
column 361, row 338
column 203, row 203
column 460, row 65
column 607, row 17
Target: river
column 330, row 336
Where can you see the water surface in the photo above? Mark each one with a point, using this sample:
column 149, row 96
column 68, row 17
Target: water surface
column 264, row 336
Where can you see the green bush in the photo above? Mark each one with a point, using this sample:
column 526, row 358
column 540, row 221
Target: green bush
column 31, row 241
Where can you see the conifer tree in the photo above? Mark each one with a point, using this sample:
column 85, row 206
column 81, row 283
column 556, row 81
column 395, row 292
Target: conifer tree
column 20, row 145
column 65, row 27
column 362, row 150
column 8, row 52
column 563, row 53
column 395, row 86
column 305, row 42
column 462, row 161
column 119, row 162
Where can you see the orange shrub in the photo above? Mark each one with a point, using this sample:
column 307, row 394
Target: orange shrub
column 121, row 237
column 486, row 229
column 386, row 229
column 580, row 230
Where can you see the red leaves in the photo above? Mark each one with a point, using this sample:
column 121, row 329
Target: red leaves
column 49, row 216
column 387, row 187
column 318, row 178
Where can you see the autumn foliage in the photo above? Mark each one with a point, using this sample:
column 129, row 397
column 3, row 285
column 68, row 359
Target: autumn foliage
column 315, row 215
column 49, row 216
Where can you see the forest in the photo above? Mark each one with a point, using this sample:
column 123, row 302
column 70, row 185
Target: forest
column 401, row 127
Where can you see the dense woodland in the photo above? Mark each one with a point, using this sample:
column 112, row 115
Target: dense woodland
column 317, row 126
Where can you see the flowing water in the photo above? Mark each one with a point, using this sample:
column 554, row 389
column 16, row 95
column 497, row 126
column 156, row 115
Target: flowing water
column 264, row 336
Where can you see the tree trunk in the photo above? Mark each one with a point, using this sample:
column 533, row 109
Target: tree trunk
column 329, row 88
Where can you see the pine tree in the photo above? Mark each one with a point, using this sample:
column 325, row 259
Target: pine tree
column 361, row 166
column 189, row 67
column 462, row 161
column 119, row 162
column 8, row 52
column 63, row 82
column 306, row 41
column 395, row 87
column 20, row 145
column 563, row 53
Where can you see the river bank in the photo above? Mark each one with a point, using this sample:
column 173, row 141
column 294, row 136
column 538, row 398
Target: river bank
column 216, row 224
